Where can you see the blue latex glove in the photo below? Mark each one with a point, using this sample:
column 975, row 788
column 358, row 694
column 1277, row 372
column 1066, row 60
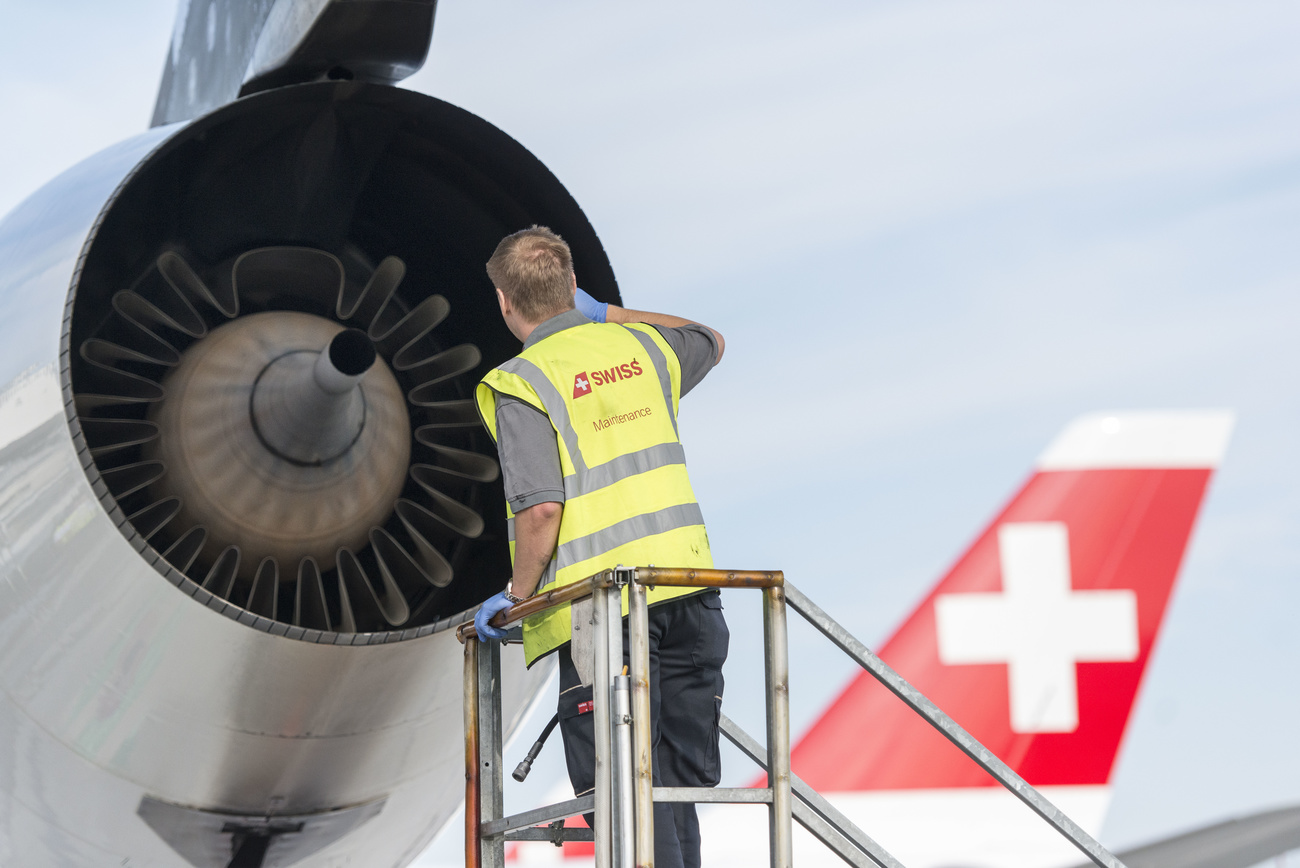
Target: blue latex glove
column 487, row 612
column 589, row 307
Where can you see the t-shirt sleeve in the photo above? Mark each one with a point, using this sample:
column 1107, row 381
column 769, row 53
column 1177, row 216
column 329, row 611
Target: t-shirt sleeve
column 696, row 349
column 529, row 453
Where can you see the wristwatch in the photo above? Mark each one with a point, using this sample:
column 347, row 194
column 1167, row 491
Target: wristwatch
column 510, row 588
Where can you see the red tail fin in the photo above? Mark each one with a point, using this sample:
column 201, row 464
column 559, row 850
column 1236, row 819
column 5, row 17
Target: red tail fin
column 1037, row 638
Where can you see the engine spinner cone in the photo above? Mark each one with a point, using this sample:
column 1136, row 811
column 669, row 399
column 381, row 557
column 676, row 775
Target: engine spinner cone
column 308, row 407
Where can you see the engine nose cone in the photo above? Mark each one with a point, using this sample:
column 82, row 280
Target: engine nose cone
column 309, row 408
column 283, row 436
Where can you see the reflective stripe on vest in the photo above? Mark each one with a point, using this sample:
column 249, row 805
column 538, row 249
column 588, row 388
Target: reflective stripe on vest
column 628, row 530
column 665, row 379
column 628, row 496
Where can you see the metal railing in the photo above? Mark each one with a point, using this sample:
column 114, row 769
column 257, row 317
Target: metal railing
column 624, row 796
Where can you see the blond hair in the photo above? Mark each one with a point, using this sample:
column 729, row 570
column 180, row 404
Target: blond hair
column 533, row 268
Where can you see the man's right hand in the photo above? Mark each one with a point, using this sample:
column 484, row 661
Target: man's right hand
column 487, row 612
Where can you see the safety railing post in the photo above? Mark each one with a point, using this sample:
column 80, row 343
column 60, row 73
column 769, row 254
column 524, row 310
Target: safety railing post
column 624, row 775
column 473, row 822
column 621, row 727
column 777, row 668
column 491, row 782
column 643, row 783
column 600, row 696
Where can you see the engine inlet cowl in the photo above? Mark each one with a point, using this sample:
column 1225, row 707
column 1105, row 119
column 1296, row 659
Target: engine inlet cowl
column 272, row 343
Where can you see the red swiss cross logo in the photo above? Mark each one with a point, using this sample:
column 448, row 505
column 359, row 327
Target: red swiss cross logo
column 581, row 385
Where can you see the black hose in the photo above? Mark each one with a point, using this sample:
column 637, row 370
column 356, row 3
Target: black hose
column 522, row 770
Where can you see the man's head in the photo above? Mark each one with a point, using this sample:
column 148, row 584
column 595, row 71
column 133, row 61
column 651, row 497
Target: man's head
column 533, row 272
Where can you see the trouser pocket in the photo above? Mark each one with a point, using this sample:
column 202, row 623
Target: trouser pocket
column 712, row 638
column 578, row 731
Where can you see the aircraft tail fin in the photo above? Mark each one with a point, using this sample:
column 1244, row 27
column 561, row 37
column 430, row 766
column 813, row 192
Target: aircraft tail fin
column 1037, row 638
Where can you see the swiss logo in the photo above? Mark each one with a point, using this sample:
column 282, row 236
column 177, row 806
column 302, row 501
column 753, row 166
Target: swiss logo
column 581, row 385
column 1039, row 625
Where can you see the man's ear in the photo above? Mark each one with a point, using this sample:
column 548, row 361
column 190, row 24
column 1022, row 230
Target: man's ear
column 502, row 301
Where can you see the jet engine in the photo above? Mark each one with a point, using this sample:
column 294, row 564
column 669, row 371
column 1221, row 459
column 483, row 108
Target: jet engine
column 244, row 489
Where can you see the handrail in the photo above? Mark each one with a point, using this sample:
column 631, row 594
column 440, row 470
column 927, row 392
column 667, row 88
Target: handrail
column 689, row 578
column 541, row 602
column 650, row 576
column 786, row 795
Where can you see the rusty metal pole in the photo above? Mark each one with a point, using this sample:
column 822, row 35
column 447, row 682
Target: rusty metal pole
column 778, row 726
column 643, row 781
column 490, row 778
column 473, row 851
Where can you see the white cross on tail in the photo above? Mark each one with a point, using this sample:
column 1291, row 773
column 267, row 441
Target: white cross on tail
column 1038, row 626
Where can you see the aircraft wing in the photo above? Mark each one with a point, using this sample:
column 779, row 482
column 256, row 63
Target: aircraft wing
column 1237, row 843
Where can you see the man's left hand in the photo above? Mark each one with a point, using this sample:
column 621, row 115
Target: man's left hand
column 487, row 612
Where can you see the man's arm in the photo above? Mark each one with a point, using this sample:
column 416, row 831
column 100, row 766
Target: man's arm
column 604, row 312
column 537, row 529
column 617, row 314
column 534, row 488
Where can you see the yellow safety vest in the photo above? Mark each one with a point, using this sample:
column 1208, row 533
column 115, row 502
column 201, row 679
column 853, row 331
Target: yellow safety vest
column 611, row 393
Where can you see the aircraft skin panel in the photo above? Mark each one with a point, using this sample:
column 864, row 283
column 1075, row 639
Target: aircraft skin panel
column 40, row 243
column 60, row 810
column 45, row 501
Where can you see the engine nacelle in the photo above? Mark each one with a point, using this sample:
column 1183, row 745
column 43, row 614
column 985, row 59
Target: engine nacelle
column 232, row 538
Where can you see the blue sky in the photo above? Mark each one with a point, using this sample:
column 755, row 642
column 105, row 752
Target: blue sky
column 932, row 233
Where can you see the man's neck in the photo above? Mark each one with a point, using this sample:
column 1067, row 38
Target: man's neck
column 523, row 330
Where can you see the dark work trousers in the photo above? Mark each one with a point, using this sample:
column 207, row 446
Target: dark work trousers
column 688, row 644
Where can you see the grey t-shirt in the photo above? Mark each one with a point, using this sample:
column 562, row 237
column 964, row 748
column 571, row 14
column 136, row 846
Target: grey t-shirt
column 530, row 457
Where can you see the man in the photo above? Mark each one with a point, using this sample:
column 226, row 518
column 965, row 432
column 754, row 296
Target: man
column 585, row 420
